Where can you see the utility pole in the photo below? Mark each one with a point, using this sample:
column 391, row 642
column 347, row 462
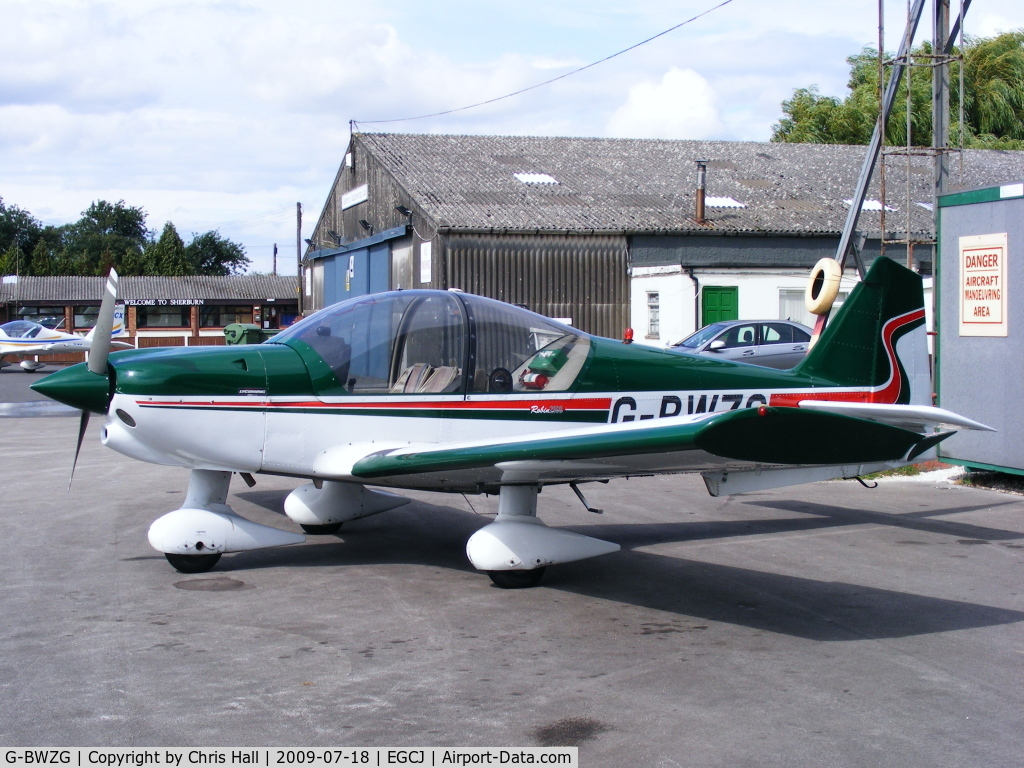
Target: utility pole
column 274, row 271
column 298, row 253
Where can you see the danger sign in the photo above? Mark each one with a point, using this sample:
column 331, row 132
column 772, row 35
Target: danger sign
column 983, row 285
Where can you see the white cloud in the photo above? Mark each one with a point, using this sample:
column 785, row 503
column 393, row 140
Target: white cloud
column 681, row 106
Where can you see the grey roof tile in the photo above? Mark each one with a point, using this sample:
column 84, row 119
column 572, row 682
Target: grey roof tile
column 38, row 289
column 640, row 185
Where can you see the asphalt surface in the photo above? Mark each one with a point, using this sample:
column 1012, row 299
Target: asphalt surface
column 824, row 625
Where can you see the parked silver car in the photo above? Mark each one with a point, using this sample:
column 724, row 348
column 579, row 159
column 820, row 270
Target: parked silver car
column 772, row 343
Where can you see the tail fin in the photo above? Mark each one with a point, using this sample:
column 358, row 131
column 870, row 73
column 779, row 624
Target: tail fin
column 119, row 328
column 877, row 339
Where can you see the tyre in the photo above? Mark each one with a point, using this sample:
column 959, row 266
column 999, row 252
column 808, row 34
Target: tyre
column 321, row 530
column 517, row 579
column 192, row 563
column 823, row 286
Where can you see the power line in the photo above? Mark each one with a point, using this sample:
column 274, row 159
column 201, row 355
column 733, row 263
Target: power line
column 354, row 123
column 277, row 213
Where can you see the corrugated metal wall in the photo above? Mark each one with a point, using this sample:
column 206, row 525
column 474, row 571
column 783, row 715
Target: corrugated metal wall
column 584, row 277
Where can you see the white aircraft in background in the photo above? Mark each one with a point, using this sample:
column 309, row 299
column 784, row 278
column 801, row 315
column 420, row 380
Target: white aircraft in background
column 23, row 338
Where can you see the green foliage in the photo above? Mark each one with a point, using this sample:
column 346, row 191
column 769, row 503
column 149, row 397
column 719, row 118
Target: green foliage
column 993, row 101
column 18, row 228
column 110, row 235
column 168, row 253
column 106, row 234
column 215, row 255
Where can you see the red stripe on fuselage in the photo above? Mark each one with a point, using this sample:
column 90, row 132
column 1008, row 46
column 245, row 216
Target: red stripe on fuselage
column 579, row 404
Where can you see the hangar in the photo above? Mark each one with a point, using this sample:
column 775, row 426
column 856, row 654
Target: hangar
column 605, row 232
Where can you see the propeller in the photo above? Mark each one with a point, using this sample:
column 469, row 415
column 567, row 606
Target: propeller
column 98, row 354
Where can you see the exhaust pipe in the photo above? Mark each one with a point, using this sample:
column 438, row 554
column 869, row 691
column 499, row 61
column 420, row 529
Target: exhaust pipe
column 702, row 172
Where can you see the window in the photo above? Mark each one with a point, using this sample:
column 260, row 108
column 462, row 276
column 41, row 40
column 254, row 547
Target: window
column 219, row 316
column 791, row 306
column 85, row 317
column 783, row 333
column 739, row 336
column 653, row 315
column 51, row 317
column 163, row 317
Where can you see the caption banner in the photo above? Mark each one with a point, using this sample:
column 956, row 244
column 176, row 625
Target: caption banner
column 321, row 757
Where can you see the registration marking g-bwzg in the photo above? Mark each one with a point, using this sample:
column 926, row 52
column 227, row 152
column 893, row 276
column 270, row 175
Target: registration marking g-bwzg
column 643, row 406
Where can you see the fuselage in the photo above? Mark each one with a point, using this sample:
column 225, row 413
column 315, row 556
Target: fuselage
column 422, row 367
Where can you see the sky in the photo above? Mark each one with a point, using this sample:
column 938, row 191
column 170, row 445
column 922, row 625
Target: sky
column 224, row 114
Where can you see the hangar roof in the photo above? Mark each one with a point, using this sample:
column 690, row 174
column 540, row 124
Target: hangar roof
column 89, row 290
column 527, row 183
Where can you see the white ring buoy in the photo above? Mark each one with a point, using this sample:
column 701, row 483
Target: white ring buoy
column 823, row 286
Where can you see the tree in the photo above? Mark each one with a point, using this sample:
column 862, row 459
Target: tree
column 168, row 254
column 18, row 228
column 993, row 101
column 110, row 235
column 13, row 261
column 106, row 235
column 215, row 255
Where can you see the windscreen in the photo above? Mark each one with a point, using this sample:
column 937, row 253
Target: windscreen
column 393, row 343
column 21, row 329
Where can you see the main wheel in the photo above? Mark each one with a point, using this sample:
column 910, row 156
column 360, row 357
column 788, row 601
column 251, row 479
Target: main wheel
column 192, row 563
column 517, row 579
column 321, row 530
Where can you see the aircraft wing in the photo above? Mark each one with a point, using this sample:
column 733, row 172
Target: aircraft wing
column 57, row 347
column 767, row 435
column 20, row 350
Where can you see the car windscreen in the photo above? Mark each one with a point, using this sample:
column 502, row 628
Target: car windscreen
column 703, row 335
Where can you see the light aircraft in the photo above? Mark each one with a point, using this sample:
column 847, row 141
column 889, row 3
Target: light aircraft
column 23, row 338
column 448, row 391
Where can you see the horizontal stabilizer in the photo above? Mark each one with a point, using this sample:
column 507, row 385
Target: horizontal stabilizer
column 916, row 417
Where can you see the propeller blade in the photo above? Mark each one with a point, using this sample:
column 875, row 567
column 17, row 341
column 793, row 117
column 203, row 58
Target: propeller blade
column 83, row 424
column 104, row 327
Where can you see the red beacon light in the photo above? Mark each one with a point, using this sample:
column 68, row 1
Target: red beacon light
column 627, row 336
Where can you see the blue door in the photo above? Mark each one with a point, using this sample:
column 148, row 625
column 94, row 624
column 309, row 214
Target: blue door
column 357, row 273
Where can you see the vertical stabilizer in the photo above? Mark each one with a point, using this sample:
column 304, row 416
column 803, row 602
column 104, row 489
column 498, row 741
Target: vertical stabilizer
column 119, row 328
column 878, row 339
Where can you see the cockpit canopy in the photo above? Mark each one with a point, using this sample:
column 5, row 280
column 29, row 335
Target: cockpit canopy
column 21, row 329
column 435, row 342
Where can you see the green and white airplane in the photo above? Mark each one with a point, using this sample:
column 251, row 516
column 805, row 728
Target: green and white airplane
column 447, row 391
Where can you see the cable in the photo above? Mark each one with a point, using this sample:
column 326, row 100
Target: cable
column 354, row 123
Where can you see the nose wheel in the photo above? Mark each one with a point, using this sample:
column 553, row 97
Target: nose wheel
column 192, row 563
column 517, row 579
column 321, row 530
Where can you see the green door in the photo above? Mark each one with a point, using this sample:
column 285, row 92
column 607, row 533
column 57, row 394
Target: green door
column 719, row 302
